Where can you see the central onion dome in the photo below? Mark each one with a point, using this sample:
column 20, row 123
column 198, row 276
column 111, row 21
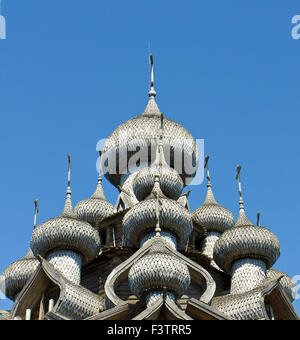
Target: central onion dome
column 141, row 218
column 138, row 135
column 158, row 270
column 18, row 273
column 96, row 208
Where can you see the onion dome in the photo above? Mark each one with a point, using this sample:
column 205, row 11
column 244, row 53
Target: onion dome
column 96, row 208
column 18, row 273
column 66, row 232
column 286, row 282
column 170, row 182
column 139, row 133
column 158, row 270
column 245, row 240
column 211, row 215
column 141, row 218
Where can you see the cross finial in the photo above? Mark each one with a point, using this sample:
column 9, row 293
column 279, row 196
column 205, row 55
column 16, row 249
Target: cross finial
column 100, row 165
column 152, row 70
column 69, row 177
column 99, row 193
column 152, row 109
column 36, row 210
column 161, row 136
column 258, row 219
column 69, row 171
column 207, row 169
column 161, row 126
column 238, row 178
column 152, row 92
column 68, row 210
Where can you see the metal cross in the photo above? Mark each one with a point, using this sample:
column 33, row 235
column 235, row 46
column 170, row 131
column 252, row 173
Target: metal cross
column 36, row 210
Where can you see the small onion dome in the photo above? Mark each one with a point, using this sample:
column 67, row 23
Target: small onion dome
column 18, row 273
column 212, row 216
column 140, row 132
column 286, row 282
column 245, row 240
column 170, row 182
column 66, row 232
column 157, row 270
column 141, row 219
column 96, row 208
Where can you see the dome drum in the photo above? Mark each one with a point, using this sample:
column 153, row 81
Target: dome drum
column 68, row 263
column 246, row 275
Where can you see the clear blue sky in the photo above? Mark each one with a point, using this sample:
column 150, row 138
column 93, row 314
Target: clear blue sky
column 72, row 71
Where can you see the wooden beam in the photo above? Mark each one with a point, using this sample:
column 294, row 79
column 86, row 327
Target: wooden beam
column 42, row 309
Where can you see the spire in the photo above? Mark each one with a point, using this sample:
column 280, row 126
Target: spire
column 157, row 229
column 157, row 194
column 258, row 219
column 156, row 191
column 161, row 136
column 238, row 178
column 152, row 92
column 29, row 255
column 242, row 219
column 160, row 157
column 36, row 210
column 68, row 210
column 152, row 108
column 209, row 199
column 99, row 193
